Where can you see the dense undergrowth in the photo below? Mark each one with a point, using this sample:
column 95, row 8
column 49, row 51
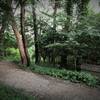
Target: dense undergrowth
column 7, row 93
column 73, row 76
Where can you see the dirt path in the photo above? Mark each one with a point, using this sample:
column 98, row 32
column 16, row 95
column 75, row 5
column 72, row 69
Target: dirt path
column 44, row 87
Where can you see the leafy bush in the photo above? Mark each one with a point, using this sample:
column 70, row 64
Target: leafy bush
column 73, row 76
column 31, row 51
column 12, row 54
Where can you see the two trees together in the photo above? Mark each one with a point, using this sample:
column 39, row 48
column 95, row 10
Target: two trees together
column 6, row 7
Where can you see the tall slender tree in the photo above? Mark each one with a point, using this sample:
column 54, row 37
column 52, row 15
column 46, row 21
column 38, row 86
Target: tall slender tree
column 55, row 8
column 35, row 27
column 22, row 22
column 68, row 12
column 2, row 30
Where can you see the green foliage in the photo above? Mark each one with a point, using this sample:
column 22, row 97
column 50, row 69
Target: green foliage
column 31, row 51
column 12, row 51
column 82, row 40
column 12, row 54
column 7, row 93
column 75, row 34
column 73, row 76
column 9, row 39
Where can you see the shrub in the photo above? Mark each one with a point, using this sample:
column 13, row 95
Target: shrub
column 74, row 76
column 12, row 54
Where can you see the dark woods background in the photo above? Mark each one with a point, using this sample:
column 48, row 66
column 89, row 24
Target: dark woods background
column 62, row 33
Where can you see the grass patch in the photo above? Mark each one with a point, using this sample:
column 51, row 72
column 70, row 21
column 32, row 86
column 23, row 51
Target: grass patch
column 7, row 93
column 73, row 76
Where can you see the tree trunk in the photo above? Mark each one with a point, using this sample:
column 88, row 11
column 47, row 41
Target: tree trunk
column 18, row 38
column 35, row 33
column 1, row 40
column 1, row 34
column 54, row 29
column 2, row 30
column 68, row 11
column 22, row 22
column 82, row 8
column 54, row 14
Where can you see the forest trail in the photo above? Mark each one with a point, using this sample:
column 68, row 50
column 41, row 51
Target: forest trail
column 44, row 87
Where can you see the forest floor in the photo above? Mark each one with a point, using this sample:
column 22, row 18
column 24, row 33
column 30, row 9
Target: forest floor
column 44, row 87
